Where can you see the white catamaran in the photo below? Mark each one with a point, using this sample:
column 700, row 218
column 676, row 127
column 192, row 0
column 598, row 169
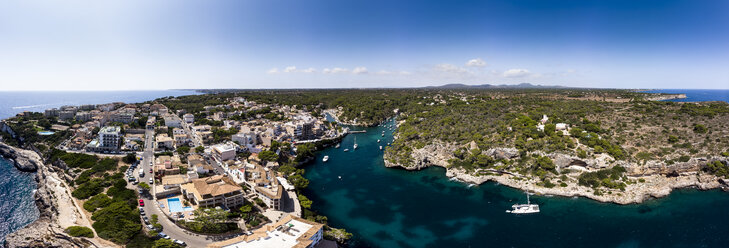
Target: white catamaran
column 528, row 208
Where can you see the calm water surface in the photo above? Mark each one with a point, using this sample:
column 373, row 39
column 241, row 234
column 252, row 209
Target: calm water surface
column 385, row 207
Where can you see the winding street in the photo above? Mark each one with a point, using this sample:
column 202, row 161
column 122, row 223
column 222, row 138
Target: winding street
column 150, row 206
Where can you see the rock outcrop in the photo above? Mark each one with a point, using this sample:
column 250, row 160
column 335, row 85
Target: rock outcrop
column 24, row 160
column 663, row 97
column 437, row 153
column 56, row 211
column 659, row 178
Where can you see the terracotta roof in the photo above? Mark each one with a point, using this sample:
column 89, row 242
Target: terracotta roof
column 212, row 186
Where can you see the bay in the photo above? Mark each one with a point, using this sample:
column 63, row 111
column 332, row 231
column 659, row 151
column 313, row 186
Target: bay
column 389, row 207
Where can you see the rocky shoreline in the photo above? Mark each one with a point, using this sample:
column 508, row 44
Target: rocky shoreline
column 658, row 179
column 663, row 97
column 54, row 202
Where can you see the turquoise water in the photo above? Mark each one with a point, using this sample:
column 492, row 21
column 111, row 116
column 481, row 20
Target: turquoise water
column 386, row 207
column 46, row 133
column 176, row 206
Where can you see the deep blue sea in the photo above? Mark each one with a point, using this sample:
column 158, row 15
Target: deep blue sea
column 696, row 95
column 17, row 207
column 388, row 207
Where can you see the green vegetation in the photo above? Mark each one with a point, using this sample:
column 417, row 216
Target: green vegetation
column 96, row 202
column 718, row 168
column 609, row 178
column 210, row 220
column 79, row 231
column 118, row 222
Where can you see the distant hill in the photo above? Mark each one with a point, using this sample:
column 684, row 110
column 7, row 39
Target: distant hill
column 491, row 86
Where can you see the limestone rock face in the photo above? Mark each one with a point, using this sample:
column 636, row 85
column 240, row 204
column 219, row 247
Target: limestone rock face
column 503, row 153
column 46, row 230
column 437, row 153
column 24, row 160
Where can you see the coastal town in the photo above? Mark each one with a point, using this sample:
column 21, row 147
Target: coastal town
column 187, row 173
column 225, row 169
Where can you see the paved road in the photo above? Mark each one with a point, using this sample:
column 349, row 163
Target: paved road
column 150, row 206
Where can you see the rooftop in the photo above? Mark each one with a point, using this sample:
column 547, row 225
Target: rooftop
column 290, row 231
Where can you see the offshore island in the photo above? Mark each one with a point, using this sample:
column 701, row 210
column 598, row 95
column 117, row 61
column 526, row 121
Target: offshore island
column 225, row 168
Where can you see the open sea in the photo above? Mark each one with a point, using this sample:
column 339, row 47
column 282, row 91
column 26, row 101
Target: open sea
column 388, row 207
column 17, row 207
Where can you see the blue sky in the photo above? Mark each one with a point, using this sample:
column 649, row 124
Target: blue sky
column 110, row 45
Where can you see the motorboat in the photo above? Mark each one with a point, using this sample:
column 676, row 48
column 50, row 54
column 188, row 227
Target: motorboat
column 346, row 150
column 337, row 146
column 355, row 143
column 380, row 147
column 326, row 158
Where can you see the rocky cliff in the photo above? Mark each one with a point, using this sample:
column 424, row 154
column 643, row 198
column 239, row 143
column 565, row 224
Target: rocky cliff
column 54, row 203
column 663, row 97
column 24, row 160
column 659, row 178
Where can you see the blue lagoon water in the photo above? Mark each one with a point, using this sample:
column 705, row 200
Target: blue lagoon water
column 17, row 207
column 388, row 207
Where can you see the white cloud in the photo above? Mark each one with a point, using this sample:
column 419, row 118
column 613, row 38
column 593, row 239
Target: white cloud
column 290, row 69
column 516, row 73
column 405, row 73
column 309, row 70
column 272, row 71
column 477, row 62
column 450, row 68
column 360, row 70
column 335, row 70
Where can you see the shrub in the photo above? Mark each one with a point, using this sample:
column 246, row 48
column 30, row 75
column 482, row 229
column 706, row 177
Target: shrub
column 97, row 201
column 80, row 231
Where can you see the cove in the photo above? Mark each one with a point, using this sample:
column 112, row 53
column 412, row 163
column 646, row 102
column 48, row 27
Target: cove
column 387, row 207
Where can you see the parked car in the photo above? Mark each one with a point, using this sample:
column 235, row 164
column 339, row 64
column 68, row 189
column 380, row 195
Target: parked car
column 141, row 202
column 151, row 180
column 163, row 235
column 180, row 242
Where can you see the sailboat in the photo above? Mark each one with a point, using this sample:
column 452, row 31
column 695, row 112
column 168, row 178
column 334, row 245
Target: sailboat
column 325, row 159
column 355, row 143
column 528, row 208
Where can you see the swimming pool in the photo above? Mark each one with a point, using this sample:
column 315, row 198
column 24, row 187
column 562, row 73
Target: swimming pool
column 46, row 133
column 176, row 206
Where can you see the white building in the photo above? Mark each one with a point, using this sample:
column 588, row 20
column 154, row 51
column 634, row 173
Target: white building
column 109, row 136
column 173, row 121
column 223, row 151
column 188, row 118
column 289, row 232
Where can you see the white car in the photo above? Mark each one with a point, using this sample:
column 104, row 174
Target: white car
column 151, row 180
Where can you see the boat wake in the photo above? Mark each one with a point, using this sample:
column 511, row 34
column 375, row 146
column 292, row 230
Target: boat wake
column 33, row 106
